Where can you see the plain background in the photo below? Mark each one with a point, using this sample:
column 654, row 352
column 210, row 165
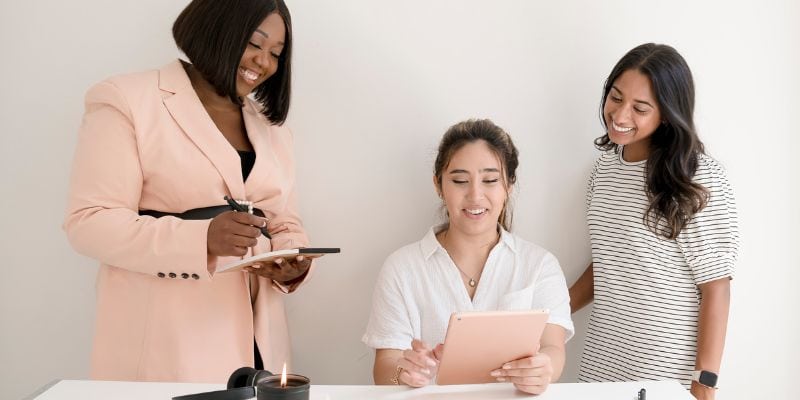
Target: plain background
column 376, row 85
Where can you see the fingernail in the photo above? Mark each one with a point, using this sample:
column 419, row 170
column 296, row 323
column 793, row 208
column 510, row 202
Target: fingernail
column 278, row 260
column 426, row 371
column 300, row 258
column 431, row 363
column 506, row 366
column 501, row 379
column 264, row 224
column 495, row 373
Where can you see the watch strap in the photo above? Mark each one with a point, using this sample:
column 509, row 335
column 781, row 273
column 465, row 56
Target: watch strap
column 705, row 378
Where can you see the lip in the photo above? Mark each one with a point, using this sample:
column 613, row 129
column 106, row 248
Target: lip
column 621, row 130
column 468, row 214
column 250, row 76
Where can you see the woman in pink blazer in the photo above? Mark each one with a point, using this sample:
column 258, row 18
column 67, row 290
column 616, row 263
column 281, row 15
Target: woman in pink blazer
column 155, row 150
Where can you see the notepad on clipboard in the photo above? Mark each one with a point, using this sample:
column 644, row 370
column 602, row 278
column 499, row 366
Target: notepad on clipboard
column 310, row 252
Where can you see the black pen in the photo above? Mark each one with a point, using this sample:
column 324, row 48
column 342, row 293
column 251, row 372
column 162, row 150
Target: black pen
column 642, row 394
column 238, row 207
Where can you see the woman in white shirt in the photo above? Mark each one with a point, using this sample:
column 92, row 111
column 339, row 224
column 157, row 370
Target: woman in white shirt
column 470, row 263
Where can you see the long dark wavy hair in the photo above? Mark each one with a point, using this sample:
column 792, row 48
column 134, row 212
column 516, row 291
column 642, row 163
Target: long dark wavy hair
column 674, row 146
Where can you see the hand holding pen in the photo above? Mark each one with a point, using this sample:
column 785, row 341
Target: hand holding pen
column 233, row 233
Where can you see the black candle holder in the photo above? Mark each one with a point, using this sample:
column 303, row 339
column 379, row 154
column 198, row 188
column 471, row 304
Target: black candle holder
column 297, row 388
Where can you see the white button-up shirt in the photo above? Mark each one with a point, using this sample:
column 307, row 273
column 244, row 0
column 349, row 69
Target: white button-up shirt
column 419, row 287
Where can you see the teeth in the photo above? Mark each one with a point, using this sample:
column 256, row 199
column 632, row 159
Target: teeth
column 247, row 74
column 477, row 211
column 619, row 128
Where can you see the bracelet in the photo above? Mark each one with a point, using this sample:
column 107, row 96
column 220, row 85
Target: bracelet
column 396, row 378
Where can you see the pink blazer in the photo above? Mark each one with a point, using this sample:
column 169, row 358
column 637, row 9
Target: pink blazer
column 147, row 143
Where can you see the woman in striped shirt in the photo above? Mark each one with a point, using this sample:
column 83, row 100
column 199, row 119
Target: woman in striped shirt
column 664, row 233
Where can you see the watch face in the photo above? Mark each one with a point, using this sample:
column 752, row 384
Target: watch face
column 708, row 379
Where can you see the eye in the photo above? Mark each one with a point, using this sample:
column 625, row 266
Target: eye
column 615, row 99
column 254, row 45
column 491, row 181
column 459, row 182
column 276, row 56
column 639, row 110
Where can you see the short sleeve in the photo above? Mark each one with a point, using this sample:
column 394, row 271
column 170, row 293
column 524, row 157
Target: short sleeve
column 710, row 241
column 389, row 325
column 551, row 293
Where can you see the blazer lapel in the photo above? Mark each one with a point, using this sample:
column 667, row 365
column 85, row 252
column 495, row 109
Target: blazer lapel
column 187, row 110
column 258, row 131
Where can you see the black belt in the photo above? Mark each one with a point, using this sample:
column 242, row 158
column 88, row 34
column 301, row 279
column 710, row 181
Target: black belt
column 197, row 213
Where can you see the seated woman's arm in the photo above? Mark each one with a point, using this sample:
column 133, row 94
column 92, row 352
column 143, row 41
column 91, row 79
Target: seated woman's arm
column 534, row 374
column 414, row 367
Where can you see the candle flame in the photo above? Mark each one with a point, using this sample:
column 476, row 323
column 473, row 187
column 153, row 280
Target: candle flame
column 283, row 376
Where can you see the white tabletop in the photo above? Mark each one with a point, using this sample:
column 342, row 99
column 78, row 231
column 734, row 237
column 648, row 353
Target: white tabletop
column 102, row 390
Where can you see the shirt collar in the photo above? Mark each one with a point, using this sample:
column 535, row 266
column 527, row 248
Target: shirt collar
column 430, row 245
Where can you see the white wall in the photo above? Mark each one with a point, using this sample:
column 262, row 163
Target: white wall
column 376, row 84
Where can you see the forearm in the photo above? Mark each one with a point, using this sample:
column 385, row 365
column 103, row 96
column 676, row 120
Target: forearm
column 712, row 327
column 582, row 291
column 385, row 368
column 552, row 344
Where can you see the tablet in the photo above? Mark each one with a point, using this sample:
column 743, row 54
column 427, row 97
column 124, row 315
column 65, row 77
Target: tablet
column 477, row 343
column 310, row 252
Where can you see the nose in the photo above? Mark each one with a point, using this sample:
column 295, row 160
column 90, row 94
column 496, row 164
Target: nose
column 622, row 114
column 475, row 191
column 264, row 59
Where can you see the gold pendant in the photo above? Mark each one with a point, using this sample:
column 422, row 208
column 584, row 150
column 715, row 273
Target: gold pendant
column 472, row 282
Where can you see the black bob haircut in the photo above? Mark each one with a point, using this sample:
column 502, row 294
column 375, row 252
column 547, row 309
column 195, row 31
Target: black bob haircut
column 214, row 34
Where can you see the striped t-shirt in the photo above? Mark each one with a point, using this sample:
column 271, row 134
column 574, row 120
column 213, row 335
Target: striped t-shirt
column 644, row 319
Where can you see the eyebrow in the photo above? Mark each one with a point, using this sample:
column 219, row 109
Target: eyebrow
column 463, row 171
column 638, row 101
column 266, row 35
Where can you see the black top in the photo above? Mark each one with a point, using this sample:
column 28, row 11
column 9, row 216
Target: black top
column 248, row 160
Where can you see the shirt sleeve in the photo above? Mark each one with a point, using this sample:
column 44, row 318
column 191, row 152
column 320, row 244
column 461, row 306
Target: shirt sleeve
column 551, row 293
column 389, row 325
column 102, row 219
column 710, row 241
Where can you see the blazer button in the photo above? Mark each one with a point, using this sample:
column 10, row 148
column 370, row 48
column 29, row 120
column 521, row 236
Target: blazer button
column 161, row 275
column 172, row 275
column 185, row 275
column 195, row 276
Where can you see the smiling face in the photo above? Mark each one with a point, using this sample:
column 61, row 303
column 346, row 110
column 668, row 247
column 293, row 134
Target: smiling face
column 260, row 59
column 473, row 189
column 631, row 114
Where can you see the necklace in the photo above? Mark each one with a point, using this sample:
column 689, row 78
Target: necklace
column 472, row 281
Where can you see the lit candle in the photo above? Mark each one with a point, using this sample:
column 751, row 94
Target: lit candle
column 284, row 387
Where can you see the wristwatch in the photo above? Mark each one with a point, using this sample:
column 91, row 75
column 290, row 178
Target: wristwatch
column 705, row 378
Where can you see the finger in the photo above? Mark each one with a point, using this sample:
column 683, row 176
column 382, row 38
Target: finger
column 418, row 345
column 421, row 358
column 239, row 251
column 532, row 389
column 437, row 351
column 249, row 219
column 241, row 241
column 539, row 371
column 413, row 379
column 412, row 367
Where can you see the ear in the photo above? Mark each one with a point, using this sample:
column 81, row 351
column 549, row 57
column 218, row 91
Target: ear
column 438, row 186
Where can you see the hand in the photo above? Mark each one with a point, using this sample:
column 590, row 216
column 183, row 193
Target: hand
column 530, row 375
column 419, row 364
column 231, row 233
column 282, row 269
column 701, row 392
